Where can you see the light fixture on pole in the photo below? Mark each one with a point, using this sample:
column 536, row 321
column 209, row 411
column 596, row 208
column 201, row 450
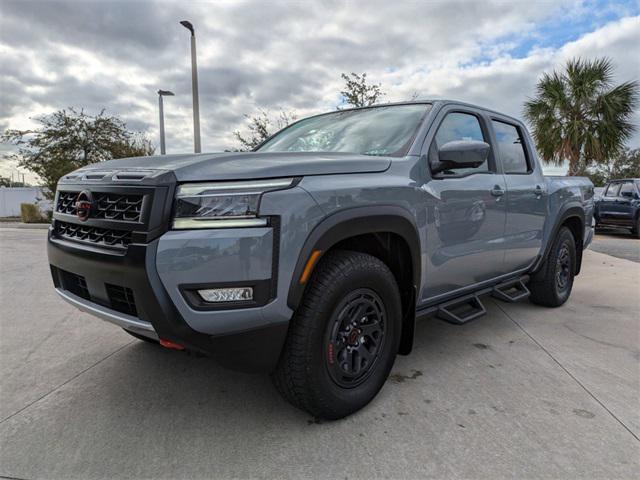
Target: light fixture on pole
column 194, row 88
column 162, row 93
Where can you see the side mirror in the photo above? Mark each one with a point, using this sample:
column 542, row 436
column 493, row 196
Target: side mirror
column 461, row 154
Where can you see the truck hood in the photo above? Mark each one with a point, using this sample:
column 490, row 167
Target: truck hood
column 246, row 165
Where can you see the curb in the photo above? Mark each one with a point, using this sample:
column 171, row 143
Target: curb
column 25, row 226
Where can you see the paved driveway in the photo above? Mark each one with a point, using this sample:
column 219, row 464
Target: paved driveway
column 618, row 243
column 522, row 392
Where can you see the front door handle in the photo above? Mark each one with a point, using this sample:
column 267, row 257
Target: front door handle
column 497, row 191
column 538, row 191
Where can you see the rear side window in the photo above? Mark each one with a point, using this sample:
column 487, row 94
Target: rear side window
column 612, row 190
column 511, row 148
column 627, row 188
column 459, row 126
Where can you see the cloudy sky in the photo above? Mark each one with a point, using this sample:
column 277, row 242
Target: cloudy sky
column 289, row 55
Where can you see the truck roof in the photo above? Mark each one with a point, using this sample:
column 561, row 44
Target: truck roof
column 432, row 101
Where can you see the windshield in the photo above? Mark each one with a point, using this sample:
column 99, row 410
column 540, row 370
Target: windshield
column 370, row 131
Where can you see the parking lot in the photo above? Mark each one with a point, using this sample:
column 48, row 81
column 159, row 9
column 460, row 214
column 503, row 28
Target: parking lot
column 524, row 392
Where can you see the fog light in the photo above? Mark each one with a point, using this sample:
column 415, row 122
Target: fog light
column 215, row 295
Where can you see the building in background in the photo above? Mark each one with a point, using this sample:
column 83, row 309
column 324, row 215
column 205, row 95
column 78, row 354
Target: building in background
column 12, row 197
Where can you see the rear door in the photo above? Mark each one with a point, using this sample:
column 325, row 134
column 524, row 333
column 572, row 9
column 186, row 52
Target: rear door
column 607, row 204
column 465, row 210
column 526, row 197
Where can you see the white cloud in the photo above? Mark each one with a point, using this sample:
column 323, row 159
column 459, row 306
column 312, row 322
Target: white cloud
column 287, row 54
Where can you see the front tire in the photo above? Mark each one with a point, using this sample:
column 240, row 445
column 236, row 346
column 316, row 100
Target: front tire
column 343, row 338
column 552, row 285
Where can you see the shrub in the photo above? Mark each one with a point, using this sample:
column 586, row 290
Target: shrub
column 30, row 213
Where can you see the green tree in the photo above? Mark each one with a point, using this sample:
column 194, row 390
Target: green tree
column 357, row 93
column 70, row 139
column 580, row 116
column 261, row 126
column 624, row 165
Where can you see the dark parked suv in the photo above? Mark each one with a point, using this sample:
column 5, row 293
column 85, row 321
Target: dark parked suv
column 313, row 256
column 619, row 205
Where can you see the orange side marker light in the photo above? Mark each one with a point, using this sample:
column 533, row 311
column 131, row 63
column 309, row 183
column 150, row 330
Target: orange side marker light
column 308, row 268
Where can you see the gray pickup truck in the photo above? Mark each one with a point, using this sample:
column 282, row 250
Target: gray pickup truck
column 312, row 257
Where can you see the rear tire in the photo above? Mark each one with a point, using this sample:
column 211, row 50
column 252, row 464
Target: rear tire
column 635, row 231
column 343, row 338
column 551, row 286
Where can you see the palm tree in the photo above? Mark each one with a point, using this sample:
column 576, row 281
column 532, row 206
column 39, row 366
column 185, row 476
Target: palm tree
column 580, row 116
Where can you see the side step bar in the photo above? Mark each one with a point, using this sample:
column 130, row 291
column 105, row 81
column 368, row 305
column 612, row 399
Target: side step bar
column 461, row 310
column 511, row 292
column 469, row 307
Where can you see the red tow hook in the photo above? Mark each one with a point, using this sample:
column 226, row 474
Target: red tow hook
column 172, row 345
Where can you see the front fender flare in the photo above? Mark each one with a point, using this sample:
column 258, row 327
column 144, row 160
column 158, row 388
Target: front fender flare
column 349, row 223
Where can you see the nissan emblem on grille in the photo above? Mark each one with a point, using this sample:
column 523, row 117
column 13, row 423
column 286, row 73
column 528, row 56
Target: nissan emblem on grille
column 84, row 204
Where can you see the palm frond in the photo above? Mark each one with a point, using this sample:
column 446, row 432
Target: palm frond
column 579, row 115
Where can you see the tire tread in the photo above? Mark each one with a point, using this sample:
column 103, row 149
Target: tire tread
column 291, row 377
column 542, row 284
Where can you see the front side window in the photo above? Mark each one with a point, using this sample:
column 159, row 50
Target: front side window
column 458, row 126
column 370, row 131
column 511, row 148
column 612, row 190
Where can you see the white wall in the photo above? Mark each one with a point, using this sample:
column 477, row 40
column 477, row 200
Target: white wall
column 11, row 198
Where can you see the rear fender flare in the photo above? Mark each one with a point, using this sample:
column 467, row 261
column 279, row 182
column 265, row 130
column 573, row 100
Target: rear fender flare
column 567, row 212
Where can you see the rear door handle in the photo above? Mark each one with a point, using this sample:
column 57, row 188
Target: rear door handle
column 497, row 191
column 538, row 191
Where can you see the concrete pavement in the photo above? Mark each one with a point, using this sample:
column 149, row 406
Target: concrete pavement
column 618, row 243
column 523, row 392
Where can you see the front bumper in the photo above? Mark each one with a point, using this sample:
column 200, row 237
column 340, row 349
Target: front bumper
column 147, row 281
column 128, row 322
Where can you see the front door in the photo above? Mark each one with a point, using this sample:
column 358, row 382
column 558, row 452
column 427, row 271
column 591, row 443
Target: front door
column 607, row 206
column 465, row 213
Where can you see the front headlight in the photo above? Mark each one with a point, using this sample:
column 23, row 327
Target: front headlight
column 223, row 204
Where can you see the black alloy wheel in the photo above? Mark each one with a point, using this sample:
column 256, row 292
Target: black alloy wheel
column 355, row 338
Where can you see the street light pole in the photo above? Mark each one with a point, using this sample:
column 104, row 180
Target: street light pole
column 162, row 93
column 194, row 88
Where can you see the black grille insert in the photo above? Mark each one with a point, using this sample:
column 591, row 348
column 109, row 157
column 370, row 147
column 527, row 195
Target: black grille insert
column 107, row 206
column 94, row 235
column 67, row 202
column 121, row 299
column 76, row 284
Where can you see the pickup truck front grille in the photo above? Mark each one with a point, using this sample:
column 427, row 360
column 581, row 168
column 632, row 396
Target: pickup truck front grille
column 107, row 206
column 95, row 235
column 113, row 216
